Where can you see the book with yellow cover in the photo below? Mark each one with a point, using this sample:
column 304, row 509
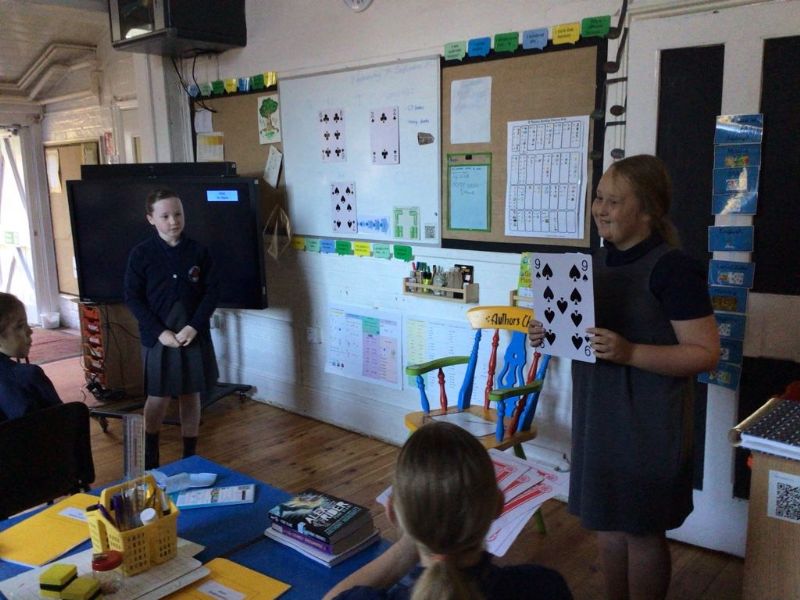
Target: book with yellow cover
column 48, row 534
column 230, row 580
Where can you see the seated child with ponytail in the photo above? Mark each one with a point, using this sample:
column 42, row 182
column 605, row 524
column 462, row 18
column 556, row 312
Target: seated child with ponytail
column 444, row 500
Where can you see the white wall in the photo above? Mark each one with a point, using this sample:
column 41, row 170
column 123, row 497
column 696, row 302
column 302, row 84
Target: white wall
column 268, row 348
column 87, row 119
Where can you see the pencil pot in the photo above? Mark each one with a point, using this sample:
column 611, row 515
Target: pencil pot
column 142, row 546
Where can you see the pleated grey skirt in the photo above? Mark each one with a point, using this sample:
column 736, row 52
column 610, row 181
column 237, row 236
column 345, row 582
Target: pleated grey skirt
column 176, row 371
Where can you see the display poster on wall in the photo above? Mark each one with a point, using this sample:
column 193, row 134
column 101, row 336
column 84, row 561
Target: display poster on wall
column 365, row 344
column 546, row 181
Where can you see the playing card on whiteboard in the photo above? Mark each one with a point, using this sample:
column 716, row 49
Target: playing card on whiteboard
column 331, row 135
column 384, row 135
column 343, row 207
column 563, row 300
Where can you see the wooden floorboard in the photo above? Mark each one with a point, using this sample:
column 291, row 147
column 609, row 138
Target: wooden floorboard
column 293, row 452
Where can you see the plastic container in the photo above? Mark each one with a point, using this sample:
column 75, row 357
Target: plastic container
column 50, row 320
column 141, row 547
column 105, row 570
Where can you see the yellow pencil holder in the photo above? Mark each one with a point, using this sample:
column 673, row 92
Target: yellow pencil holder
column 143, row 546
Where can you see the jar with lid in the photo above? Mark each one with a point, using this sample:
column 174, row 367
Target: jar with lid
column 105, row 569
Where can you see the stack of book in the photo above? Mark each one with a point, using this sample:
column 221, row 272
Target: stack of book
column 322, row 527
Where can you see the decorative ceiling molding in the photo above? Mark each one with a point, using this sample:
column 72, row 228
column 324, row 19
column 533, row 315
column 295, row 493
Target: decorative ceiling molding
column 669, row 8
column 62, row 70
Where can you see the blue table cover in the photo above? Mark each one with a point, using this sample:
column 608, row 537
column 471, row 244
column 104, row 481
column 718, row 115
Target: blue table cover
column 237, row 533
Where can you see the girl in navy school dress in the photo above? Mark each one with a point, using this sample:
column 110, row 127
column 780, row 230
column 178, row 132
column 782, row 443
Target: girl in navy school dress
column 24, row 388
column 631, row 472
column 444, row 499
column 172, row 289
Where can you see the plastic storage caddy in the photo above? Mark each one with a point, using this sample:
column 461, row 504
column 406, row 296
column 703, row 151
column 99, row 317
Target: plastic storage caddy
column 141, row 547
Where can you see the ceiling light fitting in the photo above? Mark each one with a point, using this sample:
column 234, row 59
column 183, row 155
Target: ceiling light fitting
column 357, row 5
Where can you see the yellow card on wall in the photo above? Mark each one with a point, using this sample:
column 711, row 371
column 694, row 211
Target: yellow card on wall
column 299, row 243
column 566, row 33
column 362, row 249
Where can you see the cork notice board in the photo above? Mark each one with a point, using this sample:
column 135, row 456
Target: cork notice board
column 539, row 85
column 236, row 117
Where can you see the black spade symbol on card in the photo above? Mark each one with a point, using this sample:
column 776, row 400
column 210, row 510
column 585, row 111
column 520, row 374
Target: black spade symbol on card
column 338, row 207
column 574, row 273
column 547, row 272
column 336, row 191
column 350, row 224
column 550, row 337
column 548, row 293
column 538, row 275
column 577, row 341
column 586, row 277
column 549, row 315
column 576, row 296
column 562, row 305
column 338, row 223
column 576, row 318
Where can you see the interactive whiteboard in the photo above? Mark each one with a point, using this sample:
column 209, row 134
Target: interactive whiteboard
column 362, row 152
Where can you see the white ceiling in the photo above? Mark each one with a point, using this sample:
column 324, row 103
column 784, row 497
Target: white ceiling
column 43, row 41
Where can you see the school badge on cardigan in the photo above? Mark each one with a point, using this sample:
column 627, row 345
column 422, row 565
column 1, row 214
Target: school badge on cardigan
column 194, row 274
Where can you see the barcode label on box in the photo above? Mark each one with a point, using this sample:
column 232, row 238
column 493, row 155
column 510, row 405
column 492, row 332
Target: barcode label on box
column 783, row 496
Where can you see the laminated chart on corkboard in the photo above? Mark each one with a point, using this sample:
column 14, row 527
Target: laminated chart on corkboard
column 362, row 152
column 236, row 117
column 536, row 92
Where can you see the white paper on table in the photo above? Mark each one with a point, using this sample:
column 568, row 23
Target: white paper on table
column 157, row 582
column 506, row 527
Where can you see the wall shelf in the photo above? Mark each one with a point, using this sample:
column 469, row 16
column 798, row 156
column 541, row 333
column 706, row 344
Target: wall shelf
column 466, row 295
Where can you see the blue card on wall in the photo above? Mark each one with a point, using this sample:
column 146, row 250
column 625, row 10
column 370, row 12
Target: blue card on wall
column 730, row 325
column 739, row 129
column 725, row 375
column 731, row 351
column 730, row 272
column 535, row 38
column 737, row 155
column 730, row 239
column 740, row 179
column 728, row 298
column 479, row 46
column 327, row 246
column 740, row 203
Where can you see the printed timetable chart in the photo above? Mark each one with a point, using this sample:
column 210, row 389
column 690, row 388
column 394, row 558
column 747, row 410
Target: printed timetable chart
column 546, row 180
column 365, row 344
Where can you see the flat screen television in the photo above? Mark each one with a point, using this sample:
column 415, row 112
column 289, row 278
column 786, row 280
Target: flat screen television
column 223, row 213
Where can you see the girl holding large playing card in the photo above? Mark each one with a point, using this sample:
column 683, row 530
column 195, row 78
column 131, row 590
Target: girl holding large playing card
column 631, row 476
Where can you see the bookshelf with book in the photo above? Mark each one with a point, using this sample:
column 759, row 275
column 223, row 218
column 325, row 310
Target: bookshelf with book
column 321, row 526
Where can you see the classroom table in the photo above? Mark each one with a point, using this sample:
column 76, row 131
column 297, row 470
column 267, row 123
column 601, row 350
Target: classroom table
column 237, row 533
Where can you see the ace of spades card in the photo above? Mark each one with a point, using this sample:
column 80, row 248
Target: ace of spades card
column 563, row 300
column 331, row 135
column 384, row 135
column 343, row 207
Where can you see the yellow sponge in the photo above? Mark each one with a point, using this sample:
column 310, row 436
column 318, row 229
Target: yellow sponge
column 53, row 580
column 82, row 588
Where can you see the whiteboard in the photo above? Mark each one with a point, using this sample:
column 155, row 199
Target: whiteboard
column 386, row 195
